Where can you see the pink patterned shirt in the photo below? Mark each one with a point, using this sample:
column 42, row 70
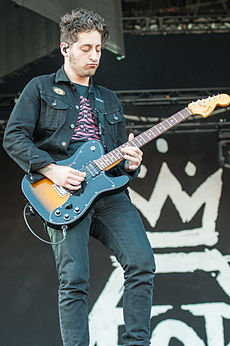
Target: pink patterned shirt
column 86, row 127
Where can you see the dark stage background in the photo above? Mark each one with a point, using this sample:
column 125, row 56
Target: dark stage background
column 152, row 62
column 182, row 195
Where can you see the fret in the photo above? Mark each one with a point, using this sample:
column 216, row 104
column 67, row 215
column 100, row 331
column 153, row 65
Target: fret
column 180, row 114
column 104, row 162
column 124, row 145
column 107, row 160
column 146, row 134
column 111, row 157
column 133, row 142
column 165, row 125
column 162, row 125
column 168, row 122
column 188, row 111
column 177, row 117
column 143, row 139
column 100, row 164
column 117, row 153
column 155, row 127
column 114, row 155
column 152, row 132
column 172, row 120
column 156, row 131
column 139, row 142
column 183, row 113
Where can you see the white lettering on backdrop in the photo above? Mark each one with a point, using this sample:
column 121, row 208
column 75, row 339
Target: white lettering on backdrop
column 106, row 316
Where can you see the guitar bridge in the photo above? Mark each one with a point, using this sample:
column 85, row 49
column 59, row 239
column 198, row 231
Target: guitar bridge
column 60, row 190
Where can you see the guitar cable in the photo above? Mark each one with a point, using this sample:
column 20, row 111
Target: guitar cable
column 64, row 227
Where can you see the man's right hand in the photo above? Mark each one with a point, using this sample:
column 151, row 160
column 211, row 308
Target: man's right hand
column 63, row 176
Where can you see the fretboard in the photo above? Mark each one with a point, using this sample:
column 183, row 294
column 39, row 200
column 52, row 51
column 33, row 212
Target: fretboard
column 116, row 155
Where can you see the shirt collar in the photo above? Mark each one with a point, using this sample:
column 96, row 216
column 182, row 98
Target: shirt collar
column 62, row 77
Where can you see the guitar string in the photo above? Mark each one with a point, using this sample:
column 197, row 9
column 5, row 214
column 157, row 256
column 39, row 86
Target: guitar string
column 92, row 170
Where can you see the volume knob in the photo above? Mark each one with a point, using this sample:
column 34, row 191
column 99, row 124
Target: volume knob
column 58, row 212
column 66, row 217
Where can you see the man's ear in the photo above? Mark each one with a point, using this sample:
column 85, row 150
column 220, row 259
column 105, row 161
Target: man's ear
column 64, row 46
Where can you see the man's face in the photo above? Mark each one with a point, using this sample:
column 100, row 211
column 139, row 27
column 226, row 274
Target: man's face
column 84, row 55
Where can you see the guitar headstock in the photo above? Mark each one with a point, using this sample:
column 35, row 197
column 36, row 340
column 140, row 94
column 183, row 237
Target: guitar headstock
column 206, row 106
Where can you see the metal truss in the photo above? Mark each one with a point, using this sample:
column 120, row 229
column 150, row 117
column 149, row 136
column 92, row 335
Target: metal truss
column 139, row 99
column 195, row 124
column 2, row 126
column 7, row 100
column 176, row 24
column 147, row 97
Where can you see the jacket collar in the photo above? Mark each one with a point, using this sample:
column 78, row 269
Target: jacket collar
column 62, row 77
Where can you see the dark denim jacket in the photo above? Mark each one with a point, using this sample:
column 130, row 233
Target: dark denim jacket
column 43, row 120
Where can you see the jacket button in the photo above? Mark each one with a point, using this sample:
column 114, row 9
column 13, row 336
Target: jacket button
column 63, row 144
column 72, row 126
column 77, row 107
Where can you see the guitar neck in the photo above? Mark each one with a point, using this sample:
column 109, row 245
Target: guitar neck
column 112, row 158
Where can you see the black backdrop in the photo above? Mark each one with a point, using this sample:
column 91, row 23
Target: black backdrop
column 152, row 62
column 192, row 285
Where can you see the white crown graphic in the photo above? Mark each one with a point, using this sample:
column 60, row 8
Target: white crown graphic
column 167, row 185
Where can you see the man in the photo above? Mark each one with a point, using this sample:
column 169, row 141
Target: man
column 54, row 115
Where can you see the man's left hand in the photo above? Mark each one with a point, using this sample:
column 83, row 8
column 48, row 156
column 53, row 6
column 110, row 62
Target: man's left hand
column 133, row 156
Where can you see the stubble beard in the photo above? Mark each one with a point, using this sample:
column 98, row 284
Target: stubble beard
column 80, row 71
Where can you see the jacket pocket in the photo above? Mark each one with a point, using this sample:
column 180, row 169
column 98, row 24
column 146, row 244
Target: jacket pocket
column 111, row 123
column 53, row 112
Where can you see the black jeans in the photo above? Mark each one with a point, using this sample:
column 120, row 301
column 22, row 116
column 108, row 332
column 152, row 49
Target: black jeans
column 121, row 231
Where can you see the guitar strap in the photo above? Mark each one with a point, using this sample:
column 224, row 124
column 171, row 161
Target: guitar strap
column 100, row 113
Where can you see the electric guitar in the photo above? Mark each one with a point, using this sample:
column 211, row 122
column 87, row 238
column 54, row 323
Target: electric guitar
column 58, row 206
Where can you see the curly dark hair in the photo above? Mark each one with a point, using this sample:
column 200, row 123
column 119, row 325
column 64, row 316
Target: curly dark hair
column 82, row 20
